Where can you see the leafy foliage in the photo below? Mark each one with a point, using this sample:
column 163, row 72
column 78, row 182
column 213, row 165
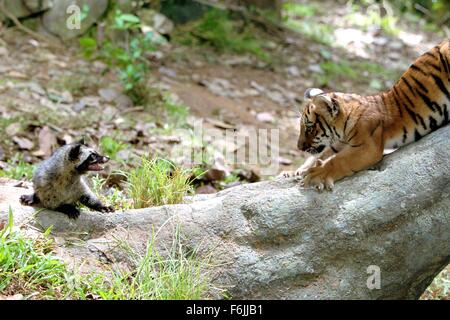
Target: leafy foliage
column 129, row 56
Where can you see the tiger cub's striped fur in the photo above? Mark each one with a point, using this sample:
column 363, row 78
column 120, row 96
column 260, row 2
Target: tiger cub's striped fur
column 349, row 132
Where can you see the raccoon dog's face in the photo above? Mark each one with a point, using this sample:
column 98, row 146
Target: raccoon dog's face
column 86, row 158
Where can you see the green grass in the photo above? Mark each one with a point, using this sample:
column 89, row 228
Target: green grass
column 28, row 267
column 365, row 72
column 300, row 10
column 110, row 196
column 297, row 17
column 387, row 23
column 111, row 147
column 218, row 30
column 177, row 275
column 17, row 169
column 157, row 182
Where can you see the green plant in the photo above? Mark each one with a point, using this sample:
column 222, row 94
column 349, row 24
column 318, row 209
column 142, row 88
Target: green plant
column 369, row 73
column 27, row 265
column 374, row 15
column 299, row 10
column 178, row 274
column 17, row 169
column 296, row 17
column 112, row 147
column 157, row 182
column 127, row 55
column 218, row 30
column 110, row 196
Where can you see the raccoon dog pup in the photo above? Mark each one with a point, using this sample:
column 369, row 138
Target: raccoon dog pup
column 59, row 183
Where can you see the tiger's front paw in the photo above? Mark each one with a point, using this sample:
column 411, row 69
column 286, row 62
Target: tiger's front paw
column 319, row 178
column 286, row 174
column 291, row 174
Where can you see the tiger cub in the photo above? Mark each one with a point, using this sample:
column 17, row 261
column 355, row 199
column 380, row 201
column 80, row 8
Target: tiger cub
column 348, row 132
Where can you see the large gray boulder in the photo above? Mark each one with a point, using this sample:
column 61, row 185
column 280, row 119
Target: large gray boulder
column 25, row 8
column 56, row 20
column 278, row 240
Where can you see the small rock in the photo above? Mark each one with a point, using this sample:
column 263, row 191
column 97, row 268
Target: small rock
column 108, row 94
column 315, row 68
column 293, row 71
column 13, row 297
column 284, row 161
column 206, row 189
column 33, row 87
column 91, row 101
column 257, row 86
column 276, row 96
column 249, row 175
column 168, row 72
column 214, row 175
column 123, row 101
column 170, row 139
column 23, row 143
column 220, row 124
column 265, row 117
column 3, row 52
column 162, row 24
column 67, row 97
column 220, row 87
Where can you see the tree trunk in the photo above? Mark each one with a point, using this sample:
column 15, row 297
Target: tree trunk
column 381, row 234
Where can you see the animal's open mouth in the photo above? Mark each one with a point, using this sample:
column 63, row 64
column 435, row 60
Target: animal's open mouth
column 95, row 167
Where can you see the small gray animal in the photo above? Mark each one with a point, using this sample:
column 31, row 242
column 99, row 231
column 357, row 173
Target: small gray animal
column 59, row 183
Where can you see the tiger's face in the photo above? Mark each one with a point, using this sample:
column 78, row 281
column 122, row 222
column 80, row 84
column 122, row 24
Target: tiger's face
column 316, row 122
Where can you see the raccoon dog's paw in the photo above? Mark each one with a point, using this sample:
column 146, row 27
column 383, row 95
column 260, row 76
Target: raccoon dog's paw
column 107, row 209
column 71, row 211
column 28, row 199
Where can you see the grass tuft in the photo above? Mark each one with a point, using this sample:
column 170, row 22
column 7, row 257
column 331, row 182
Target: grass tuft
column 157, row 182
column 17, row 169
column 218, row 30
column 28, row 267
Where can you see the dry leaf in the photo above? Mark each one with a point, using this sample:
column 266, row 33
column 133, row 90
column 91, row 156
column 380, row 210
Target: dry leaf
column 23, row 143
column 47, row 141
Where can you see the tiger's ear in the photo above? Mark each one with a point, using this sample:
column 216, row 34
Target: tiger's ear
column 325, row 104
column 312, row 92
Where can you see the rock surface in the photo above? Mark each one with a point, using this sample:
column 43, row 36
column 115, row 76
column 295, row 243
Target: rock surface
column 280, row 241
column 25, row 8
column 56, row 20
